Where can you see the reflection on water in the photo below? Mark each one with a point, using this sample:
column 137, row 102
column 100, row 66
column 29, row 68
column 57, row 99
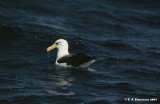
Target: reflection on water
column 62, row 81
column 58, row 82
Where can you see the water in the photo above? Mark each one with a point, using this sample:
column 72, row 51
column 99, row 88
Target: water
column 124, row 36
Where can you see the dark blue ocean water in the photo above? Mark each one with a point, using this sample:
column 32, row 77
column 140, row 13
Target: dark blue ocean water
column 124, row 36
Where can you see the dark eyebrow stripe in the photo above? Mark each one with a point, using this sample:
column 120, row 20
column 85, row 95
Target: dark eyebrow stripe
column 57, row 42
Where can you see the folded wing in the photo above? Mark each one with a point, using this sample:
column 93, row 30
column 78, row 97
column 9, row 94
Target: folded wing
column 75, row 60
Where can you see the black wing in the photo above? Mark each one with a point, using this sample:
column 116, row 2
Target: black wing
column 75, row 59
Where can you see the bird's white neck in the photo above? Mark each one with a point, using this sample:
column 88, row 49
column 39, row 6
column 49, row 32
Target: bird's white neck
column 62, row 52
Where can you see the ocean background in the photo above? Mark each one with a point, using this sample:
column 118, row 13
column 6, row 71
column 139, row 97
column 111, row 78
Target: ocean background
column 123, row 35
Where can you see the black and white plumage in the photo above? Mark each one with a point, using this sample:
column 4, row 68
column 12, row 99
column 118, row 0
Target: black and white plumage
column 64, row 59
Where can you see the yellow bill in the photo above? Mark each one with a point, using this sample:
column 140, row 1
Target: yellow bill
column 51, row 47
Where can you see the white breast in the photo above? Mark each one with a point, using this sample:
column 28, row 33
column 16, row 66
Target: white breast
column 62, row 65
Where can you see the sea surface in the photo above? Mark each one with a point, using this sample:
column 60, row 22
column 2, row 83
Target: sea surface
column 123, row 35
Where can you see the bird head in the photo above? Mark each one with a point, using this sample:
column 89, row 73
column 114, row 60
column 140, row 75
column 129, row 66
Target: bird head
column 59, row 44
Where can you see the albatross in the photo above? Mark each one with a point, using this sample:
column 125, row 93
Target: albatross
column 64, row 59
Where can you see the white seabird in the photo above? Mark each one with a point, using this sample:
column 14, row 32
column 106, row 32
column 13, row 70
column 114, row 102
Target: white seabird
column 64, row 59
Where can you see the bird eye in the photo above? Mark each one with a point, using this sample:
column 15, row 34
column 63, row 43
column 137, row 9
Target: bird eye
column 57, row 43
